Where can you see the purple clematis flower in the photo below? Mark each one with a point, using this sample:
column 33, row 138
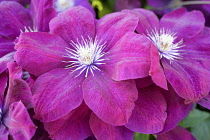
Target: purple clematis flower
column 15, row 120
column 179, row 52
column 76, row 61
column 127, row 4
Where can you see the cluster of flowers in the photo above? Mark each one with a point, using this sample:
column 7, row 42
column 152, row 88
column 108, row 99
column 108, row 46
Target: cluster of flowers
column 84, row 78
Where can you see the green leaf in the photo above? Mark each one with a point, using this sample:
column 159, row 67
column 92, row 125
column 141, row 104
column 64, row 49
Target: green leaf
column 195, row 117
column 139, row 136
column 201, row 131
column 103, row 7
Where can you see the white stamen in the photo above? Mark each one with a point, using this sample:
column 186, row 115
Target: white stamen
column 62, row 5
column 87, row 55
column 164, row 41
column 29, row 29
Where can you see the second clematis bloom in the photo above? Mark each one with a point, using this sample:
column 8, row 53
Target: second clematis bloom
column 74, row 62
column 180, row 51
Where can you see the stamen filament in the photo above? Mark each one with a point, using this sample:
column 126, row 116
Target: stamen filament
column 164, row 41
column 87, row 55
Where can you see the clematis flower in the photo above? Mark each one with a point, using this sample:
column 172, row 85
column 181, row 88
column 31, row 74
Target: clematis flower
column 86, row 50
column 126, row 4
column 74, row 62
column 15, row 120
column 179, row 51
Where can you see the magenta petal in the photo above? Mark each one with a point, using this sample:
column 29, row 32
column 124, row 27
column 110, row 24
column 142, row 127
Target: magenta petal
column 13, row 17
column 3, row 85
column 42, row 12
column 188, row 78
column 185, row 24
column 18, row 88
column 4, row 60
column 19, row 123
column 104, row 131
column 197, row 49
column 4, row 133
column 149, row 114
column 178, row 133
column 73, row 24
column 73, row 126
column 6, row 46
column 114, row 26
column 110, row 100
column 205, row 101
column 56, row 93
column 156, row 70
column 176, row 109
column 39, row 52
column 147, row 20
column 86, row 4
column 129, row 58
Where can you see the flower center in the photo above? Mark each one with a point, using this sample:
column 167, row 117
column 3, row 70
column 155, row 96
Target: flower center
column 86, row 55
column 62, row 5
column 164, row 41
